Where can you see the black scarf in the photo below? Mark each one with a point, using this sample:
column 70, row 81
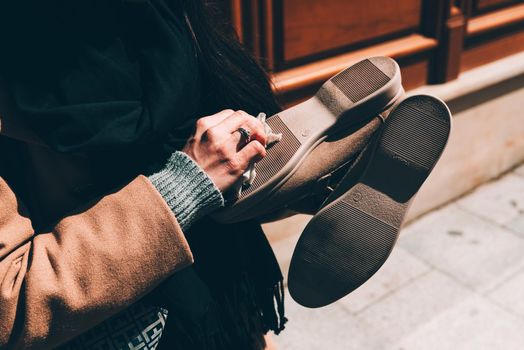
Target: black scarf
column 120, row 82
column 93, row 75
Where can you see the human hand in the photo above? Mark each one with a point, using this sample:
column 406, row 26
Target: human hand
column 221, row 150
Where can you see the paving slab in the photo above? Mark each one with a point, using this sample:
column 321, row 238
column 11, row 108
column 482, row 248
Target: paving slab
column 400, row 268
column 475, row 324
column 510, row 294
column 475, row 252
column 500, row 201
column 516, row 225
column 331, row 327
column 412, row 306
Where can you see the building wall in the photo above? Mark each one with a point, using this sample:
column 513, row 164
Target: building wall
column 304, row 42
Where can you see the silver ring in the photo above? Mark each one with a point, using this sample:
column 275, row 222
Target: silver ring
column 245, row 134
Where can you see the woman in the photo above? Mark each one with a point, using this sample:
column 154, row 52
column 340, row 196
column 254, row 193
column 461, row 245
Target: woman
column 113, row 88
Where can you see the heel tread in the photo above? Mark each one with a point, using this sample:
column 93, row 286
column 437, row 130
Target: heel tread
column 360, row 80
column 344, row 247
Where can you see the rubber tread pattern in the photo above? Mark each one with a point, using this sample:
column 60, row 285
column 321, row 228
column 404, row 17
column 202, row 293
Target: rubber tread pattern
column 340, row 253
column 417, row 137
column 360, row 80
column 277, row 156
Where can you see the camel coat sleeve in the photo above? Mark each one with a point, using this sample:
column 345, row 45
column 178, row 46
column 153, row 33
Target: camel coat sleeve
column 56, row 285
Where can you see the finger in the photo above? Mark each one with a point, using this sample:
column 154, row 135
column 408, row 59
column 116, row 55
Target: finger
column 235, row 121
column 205, row 123
column 252, row 152
column 241, row 119
column 226, row 131
column 239, row 139
column 256, row 130
column 255, row 134
column 219, row 117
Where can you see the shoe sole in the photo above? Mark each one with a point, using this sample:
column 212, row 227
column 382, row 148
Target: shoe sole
column 350, row 238
column 353, row 96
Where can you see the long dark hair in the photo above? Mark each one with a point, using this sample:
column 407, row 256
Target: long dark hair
column 236, row 80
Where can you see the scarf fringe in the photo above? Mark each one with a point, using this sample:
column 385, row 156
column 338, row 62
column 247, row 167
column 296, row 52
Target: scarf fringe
column 238, row 320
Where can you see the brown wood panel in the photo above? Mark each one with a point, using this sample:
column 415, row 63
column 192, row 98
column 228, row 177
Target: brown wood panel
column 494, row 20
column 252, row 27
column 312, row 73
column 434, row 14
column 486, row 4
column 491, row 50
column 305, row 42
column 413, row 53
column 414, row 74
column 446, row 61
column 236, row 17
column 315, row 26
column 268, row 13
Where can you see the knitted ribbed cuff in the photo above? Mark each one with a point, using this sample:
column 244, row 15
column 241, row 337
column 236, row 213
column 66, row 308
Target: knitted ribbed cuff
column 187, row 189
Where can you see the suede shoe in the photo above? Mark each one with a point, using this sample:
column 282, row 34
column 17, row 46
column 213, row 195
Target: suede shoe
column 352, row 235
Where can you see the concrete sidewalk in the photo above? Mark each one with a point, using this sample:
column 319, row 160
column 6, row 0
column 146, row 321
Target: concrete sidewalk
column 454, row 281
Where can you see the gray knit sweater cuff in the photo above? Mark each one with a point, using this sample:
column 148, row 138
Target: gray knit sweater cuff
column 187, row 189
